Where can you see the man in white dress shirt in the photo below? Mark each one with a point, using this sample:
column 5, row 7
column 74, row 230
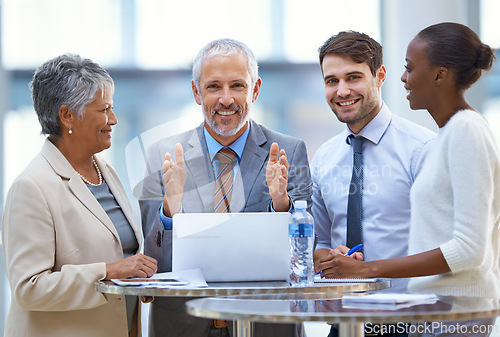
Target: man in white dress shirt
column 393, row 151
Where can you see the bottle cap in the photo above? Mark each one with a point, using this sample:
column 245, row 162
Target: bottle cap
column 300, row 204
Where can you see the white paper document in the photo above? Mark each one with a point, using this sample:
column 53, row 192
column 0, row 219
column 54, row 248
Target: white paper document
column 387, row 301
column 192, row 278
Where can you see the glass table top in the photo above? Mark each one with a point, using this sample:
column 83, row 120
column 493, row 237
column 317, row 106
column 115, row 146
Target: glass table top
column 241, row 288
column 327, row 307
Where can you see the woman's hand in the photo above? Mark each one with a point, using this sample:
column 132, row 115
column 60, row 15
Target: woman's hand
column 323, row 255
column 336, row 265
column 138, row 265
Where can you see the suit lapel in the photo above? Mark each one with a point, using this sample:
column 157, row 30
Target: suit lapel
column 200, row 172
column 252, row 163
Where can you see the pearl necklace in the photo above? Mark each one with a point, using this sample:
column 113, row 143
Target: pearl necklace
column 98, row 173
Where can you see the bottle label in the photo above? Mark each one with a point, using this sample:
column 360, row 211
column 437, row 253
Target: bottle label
column 300, row 230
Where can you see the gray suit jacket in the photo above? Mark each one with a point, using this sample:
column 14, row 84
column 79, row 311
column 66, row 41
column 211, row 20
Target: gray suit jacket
column 250, row 194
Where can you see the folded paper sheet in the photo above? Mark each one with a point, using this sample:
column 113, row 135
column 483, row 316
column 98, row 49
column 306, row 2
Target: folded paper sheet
column 387, row 301
column 192, row 278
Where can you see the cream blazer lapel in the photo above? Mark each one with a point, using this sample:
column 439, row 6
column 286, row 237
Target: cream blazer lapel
column 64, row 169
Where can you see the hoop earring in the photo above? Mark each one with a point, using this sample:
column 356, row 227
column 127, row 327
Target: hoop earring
column 70, row 131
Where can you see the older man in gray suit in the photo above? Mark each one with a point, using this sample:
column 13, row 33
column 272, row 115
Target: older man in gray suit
column 264, row 178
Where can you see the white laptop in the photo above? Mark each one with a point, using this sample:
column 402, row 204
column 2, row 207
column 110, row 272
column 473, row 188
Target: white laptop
column 231, row 247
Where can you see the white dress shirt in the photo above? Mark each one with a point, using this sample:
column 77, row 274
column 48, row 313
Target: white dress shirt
column 393, row 153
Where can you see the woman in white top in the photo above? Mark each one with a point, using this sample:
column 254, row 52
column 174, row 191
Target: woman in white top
column 455, row 201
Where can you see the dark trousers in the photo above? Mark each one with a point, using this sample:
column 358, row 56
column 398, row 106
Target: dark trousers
column 218, row 332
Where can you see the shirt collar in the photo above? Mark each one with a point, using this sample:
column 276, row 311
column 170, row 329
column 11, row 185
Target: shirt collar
column 237, row 146
column 375, row 129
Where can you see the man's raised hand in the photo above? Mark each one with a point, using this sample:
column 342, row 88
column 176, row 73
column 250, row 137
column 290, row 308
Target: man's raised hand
column 174, row 180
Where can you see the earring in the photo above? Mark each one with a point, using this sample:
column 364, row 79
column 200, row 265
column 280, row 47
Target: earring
column 70, row 131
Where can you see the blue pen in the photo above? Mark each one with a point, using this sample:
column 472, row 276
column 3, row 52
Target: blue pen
column 349, row 253
column 354, row 249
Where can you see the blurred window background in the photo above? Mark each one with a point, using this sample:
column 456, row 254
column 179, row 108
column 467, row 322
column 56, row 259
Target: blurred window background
column 148, row 47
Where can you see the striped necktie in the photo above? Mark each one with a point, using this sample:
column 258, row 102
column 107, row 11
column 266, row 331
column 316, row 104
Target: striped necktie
column 224, row 181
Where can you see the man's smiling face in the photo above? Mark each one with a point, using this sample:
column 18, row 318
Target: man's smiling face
column 351, row 90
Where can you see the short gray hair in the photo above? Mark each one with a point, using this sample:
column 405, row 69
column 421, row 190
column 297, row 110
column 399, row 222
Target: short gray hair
column 66, row 79
column 225, row 47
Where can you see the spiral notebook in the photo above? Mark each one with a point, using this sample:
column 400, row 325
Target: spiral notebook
column 318, row 279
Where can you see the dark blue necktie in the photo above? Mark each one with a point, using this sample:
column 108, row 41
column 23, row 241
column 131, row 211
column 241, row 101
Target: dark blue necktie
column 355, row 200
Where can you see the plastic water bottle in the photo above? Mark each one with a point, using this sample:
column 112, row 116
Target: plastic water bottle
column 301, row 237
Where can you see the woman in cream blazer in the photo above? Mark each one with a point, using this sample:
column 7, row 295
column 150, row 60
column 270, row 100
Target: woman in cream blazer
column 58, row 240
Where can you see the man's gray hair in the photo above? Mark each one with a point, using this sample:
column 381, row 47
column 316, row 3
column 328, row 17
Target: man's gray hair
column 225, row 47
column 66, row 79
